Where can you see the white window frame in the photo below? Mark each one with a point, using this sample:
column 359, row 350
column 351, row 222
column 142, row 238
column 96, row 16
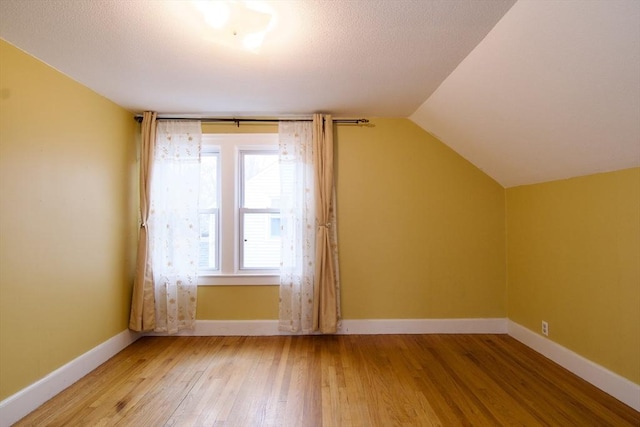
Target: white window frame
column 229, row 147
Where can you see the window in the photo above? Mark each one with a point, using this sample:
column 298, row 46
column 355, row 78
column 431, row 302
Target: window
column 239, row 209
column 259, row 193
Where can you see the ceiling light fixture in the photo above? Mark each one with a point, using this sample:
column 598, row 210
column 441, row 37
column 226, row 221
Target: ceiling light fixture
column 236, row 22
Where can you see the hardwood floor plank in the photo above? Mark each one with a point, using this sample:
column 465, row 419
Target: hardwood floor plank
column 519, row 383
column 331, row 381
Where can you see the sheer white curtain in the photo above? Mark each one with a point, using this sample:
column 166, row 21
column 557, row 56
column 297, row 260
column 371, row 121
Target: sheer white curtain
column 297, row 219
column 173, row 223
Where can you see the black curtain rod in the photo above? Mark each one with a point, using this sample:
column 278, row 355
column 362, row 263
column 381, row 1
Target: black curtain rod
column 238, row 121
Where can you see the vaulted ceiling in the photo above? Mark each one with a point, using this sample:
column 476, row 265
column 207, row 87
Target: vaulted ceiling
column 528, row 92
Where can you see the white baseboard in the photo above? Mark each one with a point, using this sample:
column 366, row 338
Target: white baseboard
column 353, row 327
column 423, row 326
column 229, row 328
column 15, row 407
column 617, row 386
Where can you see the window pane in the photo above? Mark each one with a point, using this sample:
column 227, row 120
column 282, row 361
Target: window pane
column 275, row 225
column 208, row 242
column 261, row 180
column 209, row 181
column 261, row 246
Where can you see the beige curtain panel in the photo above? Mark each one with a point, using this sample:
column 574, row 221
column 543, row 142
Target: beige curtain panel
column 143, row 316
column 326, row 284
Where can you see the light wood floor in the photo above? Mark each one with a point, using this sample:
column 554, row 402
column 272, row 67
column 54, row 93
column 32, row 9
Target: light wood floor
column 384, row 380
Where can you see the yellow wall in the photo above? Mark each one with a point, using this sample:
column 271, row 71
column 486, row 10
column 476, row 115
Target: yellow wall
column 68, row 219
column 421, row 232
column 237, row 302
column 574, row 261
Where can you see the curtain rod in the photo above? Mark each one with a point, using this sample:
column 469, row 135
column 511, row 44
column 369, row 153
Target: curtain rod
column 238, row 121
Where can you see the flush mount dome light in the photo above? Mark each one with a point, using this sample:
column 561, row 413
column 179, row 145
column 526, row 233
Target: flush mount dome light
column 235, row 22
column 216, row 13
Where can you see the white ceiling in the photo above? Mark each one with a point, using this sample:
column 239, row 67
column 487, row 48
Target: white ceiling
column 551, row 91
column 356, row 57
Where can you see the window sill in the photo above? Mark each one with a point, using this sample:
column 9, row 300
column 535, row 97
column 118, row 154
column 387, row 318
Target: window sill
column 239, row 280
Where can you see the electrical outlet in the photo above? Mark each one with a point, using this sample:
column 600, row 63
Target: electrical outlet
column 545, row 328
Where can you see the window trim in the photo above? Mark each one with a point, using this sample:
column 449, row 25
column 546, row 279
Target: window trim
column 229, row 147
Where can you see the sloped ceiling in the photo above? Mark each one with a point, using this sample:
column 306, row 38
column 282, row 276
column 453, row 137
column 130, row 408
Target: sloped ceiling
column 552, row 92
column 530, row 92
